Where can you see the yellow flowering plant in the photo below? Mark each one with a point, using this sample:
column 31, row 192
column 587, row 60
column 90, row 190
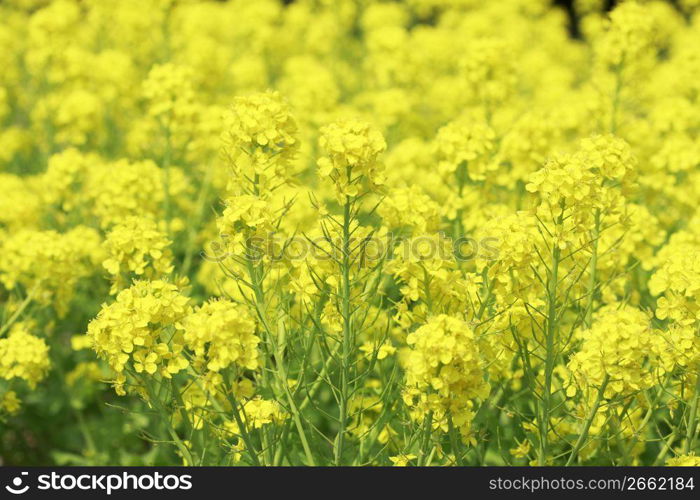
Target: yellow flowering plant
column 430, row 232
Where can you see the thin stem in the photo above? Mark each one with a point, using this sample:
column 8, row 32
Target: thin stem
column 593, row 271
column 427, row 431
column 239, row 421
column 456, row 442
column 278, row 346
column 320, row 378
column 692, row 419
column 650, row 412
column 462, row 176
column 195, row 222
column 15, row 316
column 550, row 354
column 165, row 418
column 347, row 332
column 668, row 443
column 290, row 399
column 583, row 437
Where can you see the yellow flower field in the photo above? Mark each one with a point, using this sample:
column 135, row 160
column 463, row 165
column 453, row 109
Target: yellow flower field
column 349, row 232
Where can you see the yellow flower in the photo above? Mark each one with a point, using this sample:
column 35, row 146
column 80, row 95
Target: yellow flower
column 380, row 351
column 260, row 137
column 684, row 461
column 461, row 144
column 142, row 327
column 444, row 373
column 49, row 264
column 221, row 333
column 10, row 402
column 522, row 450
column 23, row 356
column 352, row 148
column 136, row 245
column 259, row 412
column 620, row 347
column 402, row 460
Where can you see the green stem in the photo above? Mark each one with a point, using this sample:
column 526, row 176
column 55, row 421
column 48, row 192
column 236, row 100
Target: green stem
column 668, row 443
column 194, row 224
column 593, row 271
column 15, row 316
column 650, row 412
column 692, row 419
column 165, row 418
column 319, row 379
column 456, row 443
column 583, row 437
column 550, row 356
column 239, row 421
column 290, row 399
column 427, row 431
column 462, row 176
column 347, row 340
column 279, row 371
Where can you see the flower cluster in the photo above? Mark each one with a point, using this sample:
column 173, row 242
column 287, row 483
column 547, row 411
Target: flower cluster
column 168, row 90
column 428, row 272
column 260, row 412
column 608, row 156
column 353, row 148
column 24, row 356
column 684, row 461
column 49, row 264
column 138, row 331
column 463, row 144
column 678, row 279
column 423, row 232
column 118, row 190
column 261, row 131
column 444, row 373
column 619, row 353
column 412, row 209
column 221, row 333
column 135, row 245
